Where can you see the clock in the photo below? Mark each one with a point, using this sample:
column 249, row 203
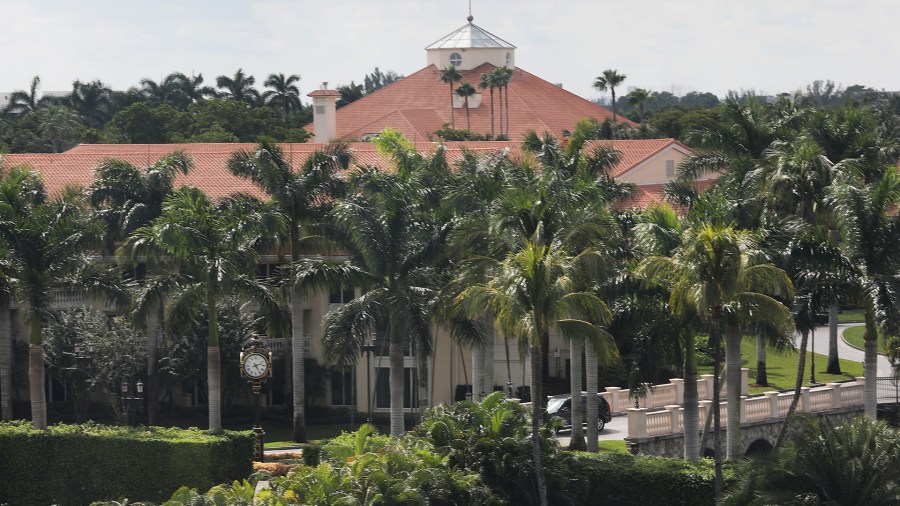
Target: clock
column 255, row 365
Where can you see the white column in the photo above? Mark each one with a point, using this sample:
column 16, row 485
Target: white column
column 745, row 381
column 637, row 422
column 773, row 403
column 708, row 379
column 613, row 399
column 679, row 389
column 804, row 400
column 673, row 410
column 836, row 401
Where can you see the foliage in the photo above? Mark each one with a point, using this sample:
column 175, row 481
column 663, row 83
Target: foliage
column 855, row 463
column 78, row 464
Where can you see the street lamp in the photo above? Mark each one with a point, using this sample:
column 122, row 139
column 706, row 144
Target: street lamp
column 368, row 349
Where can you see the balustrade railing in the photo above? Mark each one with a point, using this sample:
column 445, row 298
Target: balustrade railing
column 771, row 405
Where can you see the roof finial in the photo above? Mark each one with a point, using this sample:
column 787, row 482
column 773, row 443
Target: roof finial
column 470, row 17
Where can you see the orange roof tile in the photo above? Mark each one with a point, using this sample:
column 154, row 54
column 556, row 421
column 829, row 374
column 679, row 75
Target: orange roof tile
column 210, row 172
column 534, row 104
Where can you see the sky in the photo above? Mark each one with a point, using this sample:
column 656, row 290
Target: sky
column 770, row 46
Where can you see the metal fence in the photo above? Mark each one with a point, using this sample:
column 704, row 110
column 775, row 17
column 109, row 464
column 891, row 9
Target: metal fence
column 889, row 389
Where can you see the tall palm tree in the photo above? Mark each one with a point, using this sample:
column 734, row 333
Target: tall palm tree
column 872, row 235
column 504, row 76
column 465, row 91
column 22, row 101
column 284, row 95
column 488, row 81
column 93, row 101
column 639, row 97
column 213, row 246
column 238, row 87
column 191, row 88
column 47, row 241
column 125, row 198
column 609, row 80
column 451, row 76
column 717, row 273
column 6, row 343
column 391, row 243
column 304, row 198
column 165, row 92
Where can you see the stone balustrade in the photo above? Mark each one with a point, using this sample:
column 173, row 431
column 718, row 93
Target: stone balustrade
column 672, row 393
column 643, row 423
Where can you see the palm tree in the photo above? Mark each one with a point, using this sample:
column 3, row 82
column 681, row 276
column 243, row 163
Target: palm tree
column 451, row 75
column 716, row 272
column 466, row 90
column 166, row 92
column 93, row 101
column 639, row 97
column 284, row 95
column 47, row 241
column 191, row 88
column 504, row 76
column 608, row 81
column 238, row 87
column 487, row 81
column 126, row 198
column 391, row 243
column 6, row 343
column 871, row 242
column 22, row 101
column 304, row 198
column 213, row 246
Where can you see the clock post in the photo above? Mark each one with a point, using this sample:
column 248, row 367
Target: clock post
column 256, row 368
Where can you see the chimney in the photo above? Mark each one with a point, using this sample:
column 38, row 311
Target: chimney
column 324, row 114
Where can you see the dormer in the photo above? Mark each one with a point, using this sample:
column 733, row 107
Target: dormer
column 468, row 47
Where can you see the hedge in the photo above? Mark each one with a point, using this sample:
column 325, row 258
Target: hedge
column 616, row 479
column 78, row 464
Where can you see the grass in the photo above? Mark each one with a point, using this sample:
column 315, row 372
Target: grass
column 781, row 367
column 280, row 436
column 854, row 337
column 612, row 446
column 851, row 316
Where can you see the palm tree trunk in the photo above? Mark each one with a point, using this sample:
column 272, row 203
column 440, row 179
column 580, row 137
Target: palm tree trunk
column 537, row 415
column 477, row 371
column 153, row 340
column 214, row 368
column 716, row 338
column 691, row 407
column 492, row 111
column 468, row 125
column 452, row 112
column 507, row 110
column 870, row 390
column 488, row 357
column 396, row 387
column 801, row 369
column 500, row 108
column 834, row 363
column 762, row 378
column 298, row 368
column 422, row 384
column 36, row 375
column 733, row 380
column 6, row 351
column 592, row 413
column 575, row 351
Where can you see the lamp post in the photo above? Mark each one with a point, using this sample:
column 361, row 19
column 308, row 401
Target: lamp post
column 131, row 404
column 369, row 349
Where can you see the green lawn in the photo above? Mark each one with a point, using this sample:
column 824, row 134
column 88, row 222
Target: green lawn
column 612, row 446
column 854, row 337
column 782, row 366
column 851, row 316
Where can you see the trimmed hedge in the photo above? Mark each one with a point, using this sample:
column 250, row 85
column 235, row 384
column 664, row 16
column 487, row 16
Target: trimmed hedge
column 615, row 479
column 78, row 464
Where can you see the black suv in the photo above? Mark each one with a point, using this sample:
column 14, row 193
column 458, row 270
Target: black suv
column 560, row 406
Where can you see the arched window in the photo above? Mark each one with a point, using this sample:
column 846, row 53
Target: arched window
column 509, row 59
column 456, row 59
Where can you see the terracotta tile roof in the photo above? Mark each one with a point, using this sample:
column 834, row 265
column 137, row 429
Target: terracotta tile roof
column 646, row 195
column 324, row 93
column 534, row 104
column 634, row 152
column 77, row 165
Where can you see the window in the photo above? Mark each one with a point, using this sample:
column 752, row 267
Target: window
column 383, row 387
column 456, row 59
column 340, row 296
column 320, row 109
column 670, row 168
column 342, row 386
column 508, row 59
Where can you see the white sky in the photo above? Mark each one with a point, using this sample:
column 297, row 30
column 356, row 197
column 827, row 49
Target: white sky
column 705, row 45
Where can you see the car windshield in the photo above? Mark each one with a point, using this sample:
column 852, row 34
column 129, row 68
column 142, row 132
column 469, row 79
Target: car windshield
column 555, row 403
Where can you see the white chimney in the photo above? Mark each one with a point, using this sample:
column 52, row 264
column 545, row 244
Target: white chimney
column 324, row 114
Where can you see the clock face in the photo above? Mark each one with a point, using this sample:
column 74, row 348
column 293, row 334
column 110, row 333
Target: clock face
column 255, row 365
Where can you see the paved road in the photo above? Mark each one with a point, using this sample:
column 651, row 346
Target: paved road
column 616, row 429
column 845, row 351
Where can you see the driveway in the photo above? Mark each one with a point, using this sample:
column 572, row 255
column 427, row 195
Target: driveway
column 615, row 429
column 845, row 351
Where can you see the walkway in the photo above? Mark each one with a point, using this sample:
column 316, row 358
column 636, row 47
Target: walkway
column 845, row 351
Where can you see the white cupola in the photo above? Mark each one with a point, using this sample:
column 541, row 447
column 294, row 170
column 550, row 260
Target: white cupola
column 468, row 47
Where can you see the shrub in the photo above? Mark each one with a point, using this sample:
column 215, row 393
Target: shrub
column 77, row 464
